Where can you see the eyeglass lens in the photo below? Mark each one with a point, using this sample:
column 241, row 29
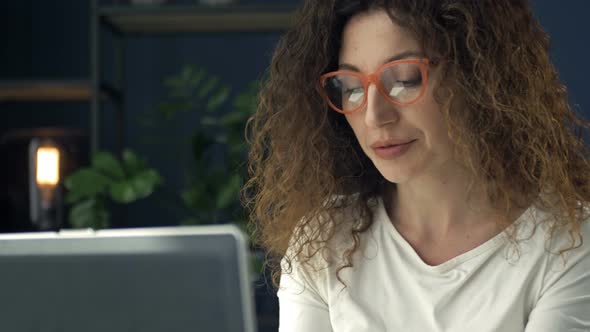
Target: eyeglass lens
column 402, row 82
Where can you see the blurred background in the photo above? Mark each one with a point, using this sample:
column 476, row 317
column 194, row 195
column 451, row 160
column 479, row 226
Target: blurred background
column 131, row 113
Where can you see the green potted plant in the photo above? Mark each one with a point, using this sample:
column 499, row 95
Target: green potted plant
column 216, row 146
column 107, row 180
column 211, row 193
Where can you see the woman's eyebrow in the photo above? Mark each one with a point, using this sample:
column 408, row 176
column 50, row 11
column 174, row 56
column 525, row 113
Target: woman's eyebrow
column 399, row 56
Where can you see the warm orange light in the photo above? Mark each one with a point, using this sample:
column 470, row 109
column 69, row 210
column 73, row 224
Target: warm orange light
column 47, row 166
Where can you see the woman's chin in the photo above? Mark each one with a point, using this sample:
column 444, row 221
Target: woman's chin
column 394, row 174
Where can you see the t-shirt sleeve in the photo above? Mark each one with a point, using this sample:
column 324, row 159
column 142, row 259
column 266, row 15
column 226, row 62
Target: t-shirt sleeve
column 564, row 304
column 301, row 307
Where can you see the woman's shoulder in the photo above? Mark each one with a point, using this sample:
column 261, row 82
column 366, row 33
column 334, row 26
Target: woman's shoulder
column 559, row 250
column 555, row 233
column 563, row 263
column 314, row 263
column 330, row 233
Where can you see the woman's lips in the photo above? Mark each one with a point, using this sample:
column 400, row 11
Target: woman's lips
column 392, row 151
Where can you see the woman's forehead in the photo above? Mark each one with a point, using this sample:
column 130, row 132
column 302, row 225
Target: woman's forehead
column 370, row 38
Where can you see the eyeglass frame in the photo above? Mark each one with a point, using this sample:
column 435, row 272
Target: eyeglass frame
column 373, row 77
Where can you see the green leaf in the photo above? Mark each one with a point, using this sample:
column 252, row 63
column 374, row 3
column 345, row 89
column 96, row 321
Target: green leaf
column 171, row 108
column 209, row 121
column 107, row 164
column 238, row 149
column 181, row 92
column 246, row 101
column 144, row 183
column 256, row 265
column 221, row 138
column 208, row 87
column 230, row 192
column 234, row 118
column 137, row 187
column 197, row 198
column 187, row 72
column 189, row 196
column 197, row 76
column 167, row 109
column 237, row 138
column 173, row 82
column 89, row 213
column 85, row 183
column 218, row 99
column 131, row 163
column 123, row 192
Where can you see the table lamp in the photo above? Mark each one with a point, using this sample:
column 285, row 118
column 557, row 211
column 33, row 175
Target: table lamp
column 46, row 195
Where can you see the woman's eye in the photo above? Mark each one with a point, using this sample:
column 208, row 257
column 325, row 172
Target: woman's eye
column 349, row 91
column 410, row 83
column 354, row 94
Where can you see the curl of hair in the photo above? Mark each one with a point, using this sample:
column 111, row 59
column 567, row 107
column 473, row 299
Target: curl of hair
column 514, row 129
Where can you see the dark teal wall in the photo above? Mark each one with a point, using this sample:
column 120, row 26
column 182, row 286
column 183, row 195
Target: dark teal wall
column 15, row 33
column 569, row 27
column 43, row 40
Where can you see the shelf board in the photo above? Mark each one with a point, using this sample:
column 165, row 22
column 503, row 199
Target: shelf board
column 52, row 90
column 179, row 19
column 47, row 90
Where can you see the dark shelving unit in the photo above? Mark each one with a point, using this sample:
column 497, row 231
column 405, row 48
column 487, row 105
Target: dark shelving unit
column 126, row 21
column 45, row 90
column 52, row 91
column 191, row 19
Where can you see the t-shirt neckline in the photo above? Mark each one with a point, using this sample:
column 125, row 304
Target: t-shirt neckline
column 452, row 263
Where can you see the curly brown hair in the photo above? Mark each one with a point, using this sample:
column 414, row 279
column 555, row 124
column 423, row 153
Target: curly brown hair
column 514, row 131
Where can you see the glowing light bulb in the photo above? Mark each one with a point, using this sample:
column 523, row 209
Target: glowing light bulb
column 47, row 166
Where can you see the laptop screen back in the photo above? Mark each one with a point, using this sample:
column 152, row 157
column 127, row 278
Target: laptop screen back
column 165, row 279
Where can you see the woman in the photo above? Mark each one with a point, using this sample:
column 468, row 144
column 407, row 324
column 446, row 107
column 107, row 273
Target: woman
column 415, row 167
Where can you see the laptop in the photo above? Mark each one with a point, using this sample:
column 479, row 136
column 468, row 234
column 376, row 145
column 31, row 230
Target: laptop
column 190, row 278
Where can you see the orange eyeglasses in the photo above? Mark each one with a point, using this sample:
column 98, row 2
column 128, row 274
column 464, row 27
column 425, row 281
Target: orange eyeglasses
column 401, row 82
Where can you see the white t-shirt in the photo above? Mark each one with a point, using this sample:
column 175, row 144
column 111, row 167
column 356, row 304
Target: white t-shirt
column 489, row 288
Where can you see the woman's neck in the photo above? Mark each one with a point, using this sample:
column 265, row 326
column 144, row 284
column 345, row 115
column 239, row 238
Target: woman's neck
column 438, row 205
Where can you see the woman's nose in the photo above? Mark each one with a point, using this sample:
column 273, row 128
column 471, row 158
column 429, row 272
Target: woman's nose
column 379, row 111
